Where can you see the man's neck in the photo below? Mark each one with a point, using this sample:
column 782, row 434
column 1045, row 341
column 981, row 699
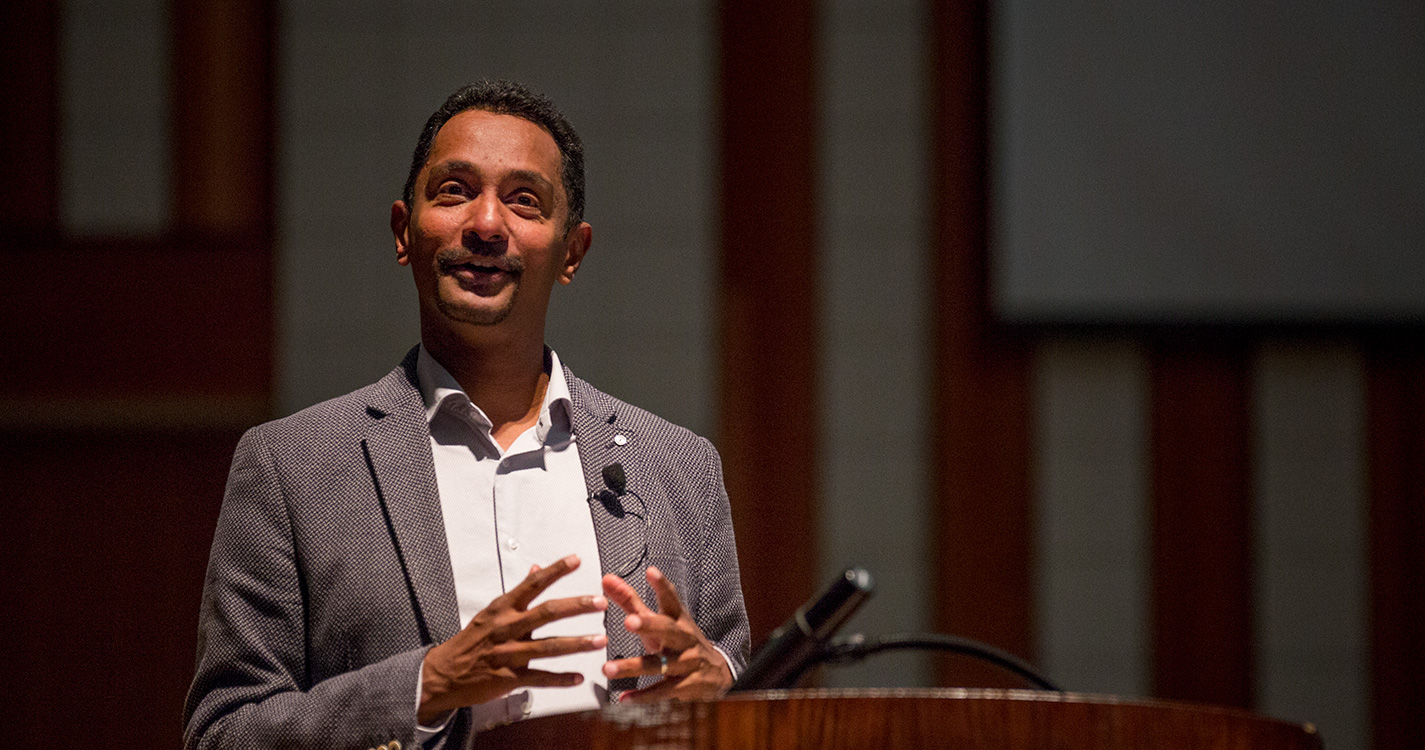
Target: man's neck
column 506, row 379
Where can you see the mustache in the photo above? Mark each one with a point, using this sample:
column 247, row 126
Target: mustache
column 482, row 254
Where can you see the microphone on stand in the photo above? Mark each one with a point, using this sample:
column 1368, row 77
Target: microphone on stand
column 797, row 644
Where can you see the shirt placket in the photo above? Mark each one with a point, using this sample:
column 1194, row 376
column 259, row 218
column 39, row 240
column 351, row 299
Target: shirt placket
column 506, row 525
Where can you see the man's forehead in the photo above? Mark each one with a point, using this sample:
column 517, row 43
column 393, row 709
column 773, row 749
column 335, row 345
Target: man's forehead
column 496, row 133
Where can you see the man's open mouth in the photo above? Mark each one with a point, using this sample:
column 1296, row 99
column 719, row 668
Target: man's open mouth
column 477, row 268
column 480, row 267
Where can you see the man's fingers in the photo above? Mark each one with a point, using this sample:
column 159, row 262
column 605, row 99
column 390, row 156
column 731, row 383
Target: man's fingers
column 651, row 623
column 519, row 653
column 688, row 687
column 634, row 666
column 537, row 581
column 622, row 594
column 547, row 612
column 668, row 601
column 650, row 664
column 660, row 627
column 541, row 678
column 691, row 676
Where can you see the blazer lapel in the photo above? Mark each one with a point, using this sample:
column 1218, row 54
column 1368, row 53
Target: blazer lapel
column 622, row 538
column 603, row 441
column 397, row 448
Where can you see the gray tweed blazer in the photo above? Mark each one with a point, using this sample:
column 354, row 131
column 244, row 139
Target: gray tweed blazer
column 329, row 575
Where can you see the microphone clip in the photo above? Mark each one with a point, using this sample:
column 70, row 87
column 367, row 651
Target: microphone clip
column 616, row 484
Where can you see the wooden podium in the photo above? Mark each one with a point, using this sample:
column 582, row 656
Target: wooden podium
column 907, row 718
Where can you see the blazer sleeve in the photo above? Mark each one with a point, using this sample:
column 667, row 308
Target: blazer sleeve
column 721, row 612
column 251, row 689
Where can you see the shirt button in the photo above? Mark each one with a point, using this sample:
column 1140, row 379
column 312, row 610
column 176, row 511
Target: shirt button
column 620, row 440
column 513, row 543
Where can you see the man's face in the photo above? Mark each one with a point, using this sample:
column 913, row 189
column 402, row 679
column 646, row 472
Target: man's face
column 485, row 232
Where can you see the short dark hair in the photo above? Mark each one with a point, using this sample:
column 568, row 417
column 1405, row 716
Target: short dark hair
column 509, row 98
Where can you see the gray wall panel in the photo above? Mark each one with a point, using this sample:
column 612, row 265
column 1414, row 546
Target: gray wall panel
column 875, row 321
column 114, row 159
column 1209, row 160
column 1093, row 532
column 1312, row 569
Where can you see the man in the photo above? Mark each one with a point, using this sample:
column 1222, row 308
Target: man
column 419, row 559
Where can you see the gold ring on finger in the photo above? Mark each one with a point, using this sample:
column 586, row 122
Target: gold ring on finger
column 662, row 664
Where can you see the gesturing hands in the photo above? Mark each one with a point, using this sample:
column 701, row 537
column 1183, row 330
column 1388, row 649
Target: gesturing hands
column 490, row 656
column 674, row 645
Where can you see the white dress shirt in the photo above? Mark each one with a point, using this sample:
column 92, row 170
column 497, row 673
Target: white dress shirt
column 507, row 510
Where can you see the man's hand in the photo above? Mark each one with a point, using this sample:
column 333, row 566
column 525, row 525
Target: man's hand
column 674, row 645
column 491, row 655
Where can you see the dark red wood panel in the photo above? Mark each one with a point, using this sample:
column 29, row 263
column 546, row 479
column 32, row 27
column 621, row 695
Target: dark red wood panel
column 29, row 119
column 135, row 318
column 223, row 80
column 1201, row 482
column 980, row 389
column 106, row 538
column 1396, row 408
column 106, row 528
column 768, row 302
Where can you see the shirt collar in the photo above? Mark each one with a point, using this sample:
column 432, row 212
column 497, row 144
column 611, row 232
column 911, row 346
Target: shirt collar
column 557, row 403
column 439, row 388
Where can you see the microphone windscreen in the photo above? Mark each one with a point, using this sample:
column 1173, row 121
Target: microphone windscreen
column 615, row 479
column 796, row 645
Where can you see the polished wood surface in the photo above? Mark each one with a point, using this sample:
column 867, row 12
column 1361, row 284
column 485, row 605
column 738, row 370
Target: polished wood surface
column 928, row 718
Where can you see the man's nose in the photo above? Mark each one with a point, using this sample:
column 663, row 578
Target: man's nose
column 486, row 219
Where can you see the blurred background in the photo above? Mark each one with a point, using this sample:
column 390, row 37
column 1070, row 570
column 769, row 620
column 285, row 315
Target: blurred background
column 1093, row 330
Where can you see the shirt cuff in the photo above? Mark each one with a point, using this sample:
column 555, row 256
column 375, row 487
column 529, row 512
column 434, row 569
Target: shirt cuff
column 730, row 666
column 424, row 732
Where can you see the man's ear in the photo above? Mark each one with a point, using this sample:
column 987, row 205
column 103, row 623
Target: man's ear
column 576, row 244
column 400, row 227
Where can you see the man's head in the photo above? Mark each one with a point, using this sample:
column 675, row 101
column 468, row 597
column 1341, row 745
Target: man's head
column 487, row 225
column 509, row 98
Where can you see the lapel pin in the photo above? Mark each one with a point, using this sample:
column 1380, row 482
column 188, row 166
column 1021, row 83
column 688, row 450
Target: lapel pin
column 620, row 440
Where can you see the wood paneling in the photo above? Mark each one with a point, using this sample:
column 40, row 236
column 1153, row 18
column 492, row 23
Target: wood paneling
column 106, row 538
column 29, row 125
column 1202, row 532
column 130, row 367
column 222, row 118
column 981, row 386
column 768, row 302
column 1396, row 407
column 103, row 319
column 904, row 719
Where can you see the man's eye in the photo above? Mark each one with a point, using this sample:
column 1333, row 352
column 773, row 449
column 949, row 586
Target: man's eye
column 451, row 188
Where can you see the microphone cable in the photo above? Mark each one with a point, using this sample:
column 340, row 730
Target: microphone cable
column 854, row 648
